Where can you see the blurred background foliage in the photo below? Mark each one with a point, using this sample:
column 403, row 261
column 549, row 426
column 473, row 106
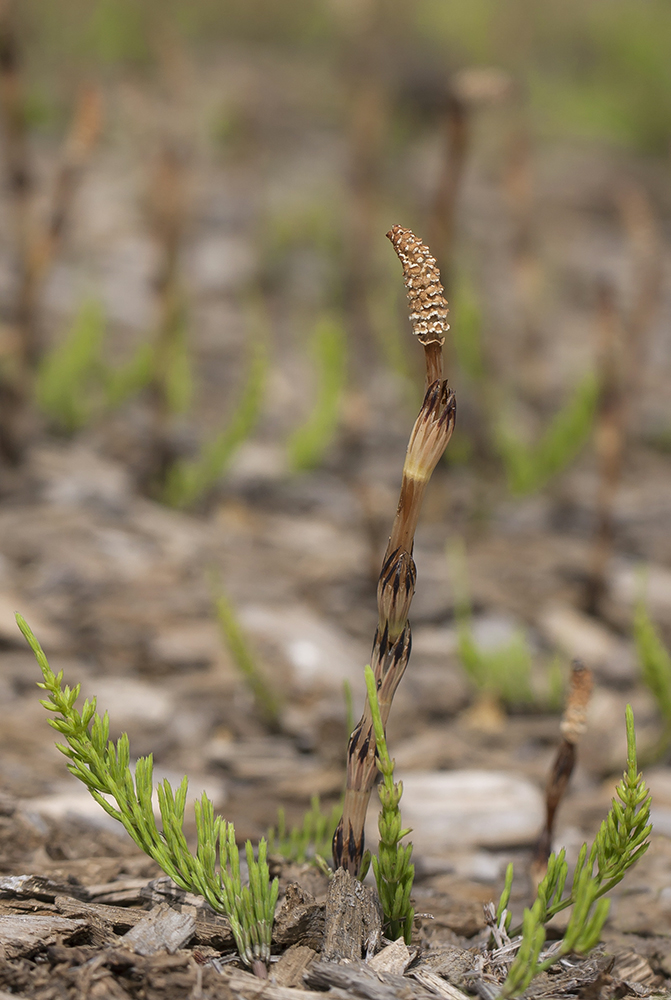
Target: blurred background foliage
column 596, row 69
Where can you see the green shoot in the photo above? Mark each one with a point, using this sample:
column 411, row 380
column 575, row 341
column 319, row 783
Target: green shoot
column 504, row 672
column 384, row 314
column 655, row 663
column 466, row 328
column 312, row 224
column 264, row 697
column 66, row 378
column 505, row 898
column 393, row 871
column 529, row 468
column 525, row 966
column 131, row 377
column 313, row 837
column 104, row 767
column 172, row 363
column 620, row 843
column 308, row 442
column 189, row 480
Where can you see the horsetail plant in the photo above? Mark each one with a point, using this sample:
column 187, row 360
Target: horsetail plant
column 393, row 871
column 104, row 767
column 430, row 435
column 621, row 841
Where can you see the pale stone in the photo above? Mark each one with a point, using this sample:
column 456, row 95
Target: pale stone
column 71, row 799
column 188, row 645
column 257, row 460
column 395, row 958
column 579, row 636
column 319, row 655
column 629, row 583
column 448, row 809
column 658, row 781
column 130, row 701
column 77, row 475
column 49, row 636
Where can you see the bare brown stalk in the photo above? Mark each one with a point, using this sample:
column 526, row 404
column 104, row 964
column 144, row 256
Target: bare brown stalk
column 573, row 725
column 368, row 121
column 19, row 182
column 457, row 130
column 527, row 265
column 167, row 207
column 77, row 148
column 621, row 355
column 468, row 91
column 609, row 441
column 644, row 240
column 396, row 585
column 35, row 246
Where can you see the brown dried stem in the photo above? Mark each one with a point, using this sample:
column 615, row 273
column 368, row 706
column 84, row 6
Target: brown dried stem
column 573, row 724
column 396, row 585
column 622, row 346
column 167, row 206
column 368, row 117
column 469, row 91
column 35, row 246
column 610, row 435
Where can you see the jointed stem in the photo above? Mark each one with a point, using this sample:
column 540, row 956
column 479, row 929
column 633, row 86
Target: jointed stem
column 396, row 586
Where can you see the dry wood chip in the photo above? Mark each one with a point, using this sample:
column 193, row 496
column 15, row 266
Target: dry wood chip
column 114, row 920
column 212, row 929
column 353, row 922
column 38, row 887
column 360, row 980
column 632, row 968
column 24, row 935
column 162, row 929
column 300, row 919
column 292, row 965
column 437, row 984
column 123, row 891
column 248, row 987
column 395, row 958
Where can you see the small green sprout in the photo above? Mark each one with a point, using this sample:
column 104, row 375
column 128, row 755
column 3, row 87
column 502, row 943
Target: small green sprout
column 504, row 671
column 311, row 839
column 529, row 468
column 466, row 327
column 655, row 663
column 265, row 698
column 393, row 871
column 308, row 442
column 188, row 480
column 129, row 378
column 66, row 386
column 172, row 376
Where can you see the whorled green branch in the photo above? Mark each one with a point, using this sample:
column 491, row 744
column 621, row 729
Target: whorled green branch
column 394, row 873
column 104, row 767
column 621, row 841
